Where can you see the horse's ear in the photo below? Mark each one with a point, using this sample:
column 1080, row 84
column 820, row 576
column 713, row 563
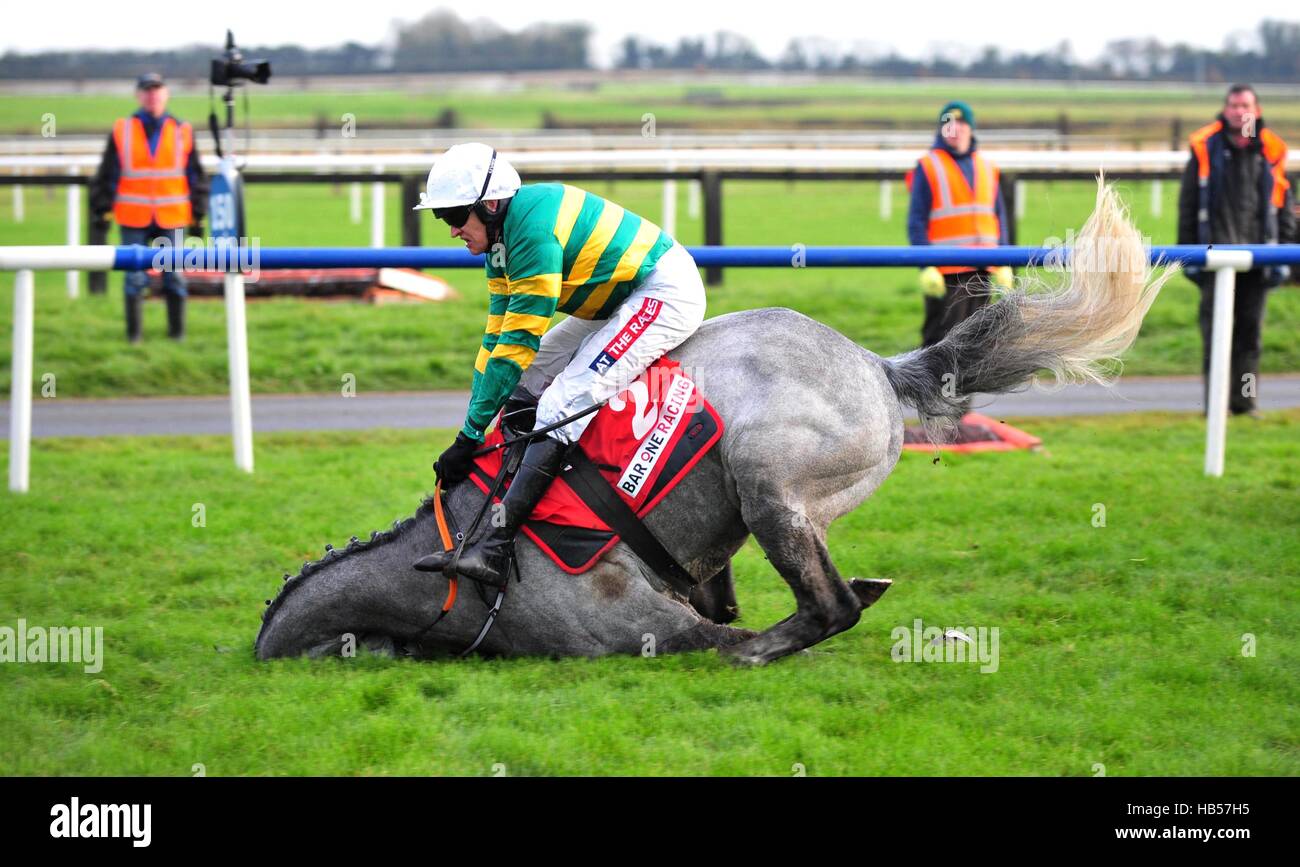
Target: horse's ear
column 868, row 590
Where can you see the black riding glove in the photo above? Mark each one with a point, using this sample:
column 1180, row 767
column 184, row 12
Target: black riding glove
column 454, row 464
column 520, row 414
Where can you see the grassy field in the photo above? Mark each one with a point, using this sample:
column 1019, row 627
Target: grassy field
column 1119, row 645
column 298, row 346
column 1128, row 113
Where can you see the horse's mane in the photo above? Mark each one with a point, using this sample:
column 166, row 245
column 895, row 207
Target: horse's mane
column 334, row 555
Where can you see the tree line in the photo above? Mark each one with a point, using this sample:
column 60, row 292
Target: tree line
column 443, row 42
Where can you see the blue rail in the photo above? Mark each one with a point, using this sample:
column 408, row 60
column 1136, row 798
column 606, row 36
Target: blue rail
column 136, row 257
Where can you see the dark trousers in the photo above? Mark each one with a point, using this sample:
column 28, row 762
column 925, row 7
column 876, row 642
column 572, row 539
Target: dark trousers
column 965, row 292
column 137, row 282
column 1247, row 338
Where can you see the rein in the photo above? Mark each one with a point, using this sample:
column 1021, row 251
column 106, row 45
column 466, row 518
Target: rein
column 541, row 431
column 448, row 537
column 453, row 539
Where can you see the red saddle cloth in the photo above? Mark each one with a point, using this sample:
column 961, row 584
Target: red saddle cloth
column 644, row 441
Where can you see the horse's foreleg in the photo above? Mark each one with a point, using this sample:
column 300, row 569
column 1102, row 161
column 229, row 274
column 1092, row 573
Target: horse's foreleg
column 705, row 636
column 826, row 604
column 715, row 599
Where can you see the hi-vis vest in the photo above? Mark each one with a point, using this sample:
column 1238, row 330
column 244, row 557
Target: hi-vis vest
column 960, row 216
column 152, row 187
column 1275, row 183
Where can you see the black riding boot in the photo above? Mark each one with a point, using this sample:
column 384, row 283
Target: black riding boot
column 134, row 314
column 488, row 560
column 175, row 316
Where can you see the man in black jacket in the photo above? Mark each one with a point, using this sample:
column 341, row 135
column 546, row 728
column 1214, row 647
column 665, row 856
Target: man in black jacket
column 150, row 180
column 1235, row 191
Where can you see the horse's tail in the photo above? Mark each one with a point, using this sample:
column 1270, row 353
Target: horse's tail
column 1075, row 331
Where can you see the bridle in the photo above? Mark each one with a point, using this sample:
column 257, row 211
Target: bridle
column 451, row 538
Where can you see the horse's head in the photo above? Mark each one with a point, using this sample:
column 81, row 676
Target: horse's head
column 364, row 594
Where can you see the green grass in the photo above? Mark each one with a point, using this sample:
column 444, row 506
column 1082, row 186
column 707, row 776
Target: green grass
column 1120, row 645
column 300, row 346
column 1137, row 113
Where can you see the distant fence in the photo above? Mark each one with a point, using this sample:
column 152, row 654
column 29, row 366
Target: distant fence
column 705, row 169
column 1225, row 261
column 326, row 138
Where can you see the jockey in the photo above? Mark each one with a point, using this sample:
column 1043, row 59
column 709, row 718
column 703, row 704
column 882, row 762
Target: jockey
column 632, row 294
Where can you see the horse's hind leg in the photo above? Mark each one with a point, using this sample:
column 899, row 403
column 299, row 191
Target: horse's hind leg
column 797, row 550
column 715, row 599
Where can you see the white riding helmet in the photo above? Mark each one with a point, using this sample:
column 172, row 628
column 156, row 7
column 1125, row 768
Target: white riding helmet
column 466, row 175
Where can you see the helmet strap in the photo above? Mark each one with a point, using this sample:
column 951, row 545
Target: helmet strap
column 494, row 222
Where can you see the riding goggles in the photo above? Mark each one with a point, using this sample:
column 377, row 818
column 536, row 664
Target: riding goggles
column 455, row 217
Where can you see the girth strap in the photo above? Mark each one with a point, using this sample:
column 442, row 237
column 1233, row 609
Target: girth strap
column 595, row 489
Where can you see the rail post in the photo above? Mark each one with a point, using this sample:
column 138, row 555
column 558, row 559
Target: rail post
column 20, row 389
column 1225, row 264
column 711, row 184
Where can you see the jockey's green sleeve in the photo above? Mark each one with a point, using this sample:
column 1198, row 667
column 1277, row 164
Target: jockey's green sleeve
column 562, row 249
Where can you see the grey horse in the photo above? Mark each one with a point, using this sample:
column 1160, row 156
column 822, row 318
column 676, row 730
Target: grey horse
column 813, row 426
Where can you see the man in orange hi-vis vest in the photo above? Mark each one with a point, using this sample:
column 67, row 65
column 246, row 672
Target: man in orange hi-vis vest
column 1235, row 191
column 151, row 182
column 956, row 201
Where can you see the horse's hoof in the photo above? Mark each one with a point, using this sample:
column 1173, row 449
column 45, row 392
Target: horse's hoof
column 868, row 590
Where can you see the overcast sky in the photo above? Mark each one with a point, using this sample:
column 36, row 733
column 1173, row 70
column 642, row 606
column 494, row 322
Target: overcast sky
column 952, row 27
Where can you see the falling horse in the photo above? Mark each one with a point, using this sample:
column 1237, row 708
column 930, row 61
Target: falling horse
column 813, row 425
